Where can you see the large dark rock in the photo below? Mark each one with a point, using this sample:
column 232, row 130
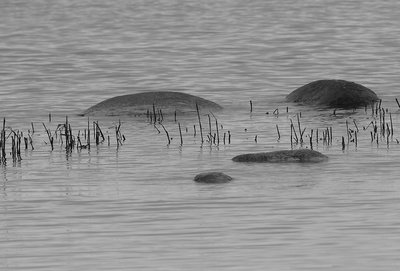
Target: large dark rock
column 333, row 93
column 302, row 155
column 212, row 177
column 167, row 101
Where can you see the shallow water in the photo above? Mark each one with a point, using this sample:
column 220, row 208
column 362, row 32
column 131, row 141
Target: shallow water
column 136, row 207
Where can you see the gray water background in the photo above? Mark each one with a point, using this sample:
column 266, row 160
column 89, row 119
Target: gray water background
column 136, row 207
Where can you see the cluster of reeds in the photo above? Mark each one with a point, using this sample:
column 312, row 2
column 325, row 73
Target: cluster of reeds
column 380, row 128
column 315, row 136
column 155, row 115
column 16, row 137
column 63, row 135
column 215, row 135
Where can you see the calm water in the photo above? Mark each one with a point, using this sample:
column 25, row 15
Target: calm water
column 136, row 207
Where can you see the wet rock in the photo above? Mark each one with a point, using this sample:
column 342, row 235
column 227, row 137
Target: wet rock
column 333, row 93
column 167, row 101
column 212, row 177
column 302, row 156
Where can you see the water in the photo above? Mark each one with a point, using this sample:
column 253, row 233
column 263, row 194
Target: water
column 136, row 207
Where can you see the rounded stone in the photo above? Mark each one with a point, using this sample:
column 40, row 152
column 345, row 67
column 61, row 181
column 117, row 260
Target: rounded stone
column 212, row 177
column 334, row 94
column 302, row 156
column 139, row 103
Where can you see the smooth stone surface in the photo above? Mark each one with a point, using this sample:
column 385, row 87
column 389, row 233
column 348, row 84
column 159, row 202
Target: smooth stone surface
column 212, row 177
column 167, row 101
column 302, row 155
column 333, row 93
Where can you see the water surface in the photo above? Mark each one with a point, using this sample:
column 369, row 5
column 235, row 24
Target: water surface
column 135, row 206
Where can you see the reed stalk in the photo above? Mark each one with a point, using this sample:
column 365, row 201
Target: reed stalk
column 293, row 132
column 356, row 138
column 391, row 125
column 279, row 134
column 88, row 134
column 26, row 143
column 216, row 127
column 98, row 132
column 301, row 133
column 51, row 138
column 31, row 141
column 343, row 144
column 209, row 125
column 180, row 133
column 154, row 113
column 166, row 132
column 3, row 142
column 201, row 129
column 118, row 134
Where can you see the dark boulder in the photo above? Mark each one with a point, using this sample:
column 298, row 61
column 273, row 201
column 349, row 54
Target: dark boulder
column 167, row 101
column 212, row 177
column 302, row 156
column 333, row 93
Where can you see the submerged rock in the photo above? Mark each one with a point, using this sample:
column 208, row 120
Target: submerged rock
column 167, row 101
column 333, row 93
column 212, row 177
column 303, row 155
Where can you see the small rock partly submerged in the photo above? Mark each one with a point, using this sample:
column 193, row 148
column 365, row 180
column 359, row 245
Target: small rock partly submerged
column 302, row 156
column 334, row 94
column 212, row 177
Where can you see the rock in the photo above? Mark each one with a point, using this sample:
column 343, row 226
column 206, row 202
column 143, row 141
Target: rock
column 302, row 156
column 167, row 101
column 212, row 177
column 333, row 93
